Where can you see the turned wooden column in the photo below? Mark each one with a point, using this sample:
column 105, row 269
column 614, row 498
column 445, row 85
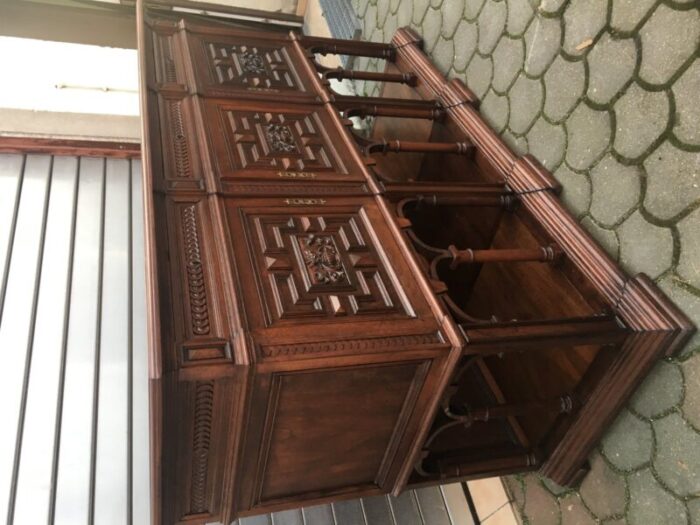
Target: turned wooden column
column 548, row 253
column 401, row 146
column 324, row 46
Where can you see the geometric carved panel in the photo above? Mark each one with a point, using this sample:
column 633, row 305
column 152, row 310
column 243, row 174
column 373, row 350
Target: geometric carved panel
column 278, row 141
column 252, row 67
column 320, row 265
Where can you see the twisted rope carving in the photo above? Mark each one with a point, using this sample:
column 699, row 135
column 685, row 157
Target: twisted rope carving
column 195, row 275
column 203, row 408
column 182, row 155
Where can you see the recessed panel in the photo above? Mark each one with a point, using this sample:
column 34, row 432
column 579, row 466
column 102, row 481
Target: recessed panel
column 331, row 429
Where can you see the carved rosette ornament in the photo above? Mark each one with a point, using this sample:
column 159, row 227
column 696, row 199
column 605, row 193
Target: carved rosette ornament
column 322, row 260
column 280, row 138
column 251, row 62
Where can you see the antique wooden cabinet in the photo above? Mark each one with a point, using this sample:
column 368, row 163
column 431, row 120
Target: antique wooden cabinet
column 326, row 322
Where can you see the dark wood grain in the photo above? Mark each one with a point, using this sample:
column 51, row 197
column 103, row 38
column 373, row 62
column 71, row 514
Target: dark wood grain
column 325, row 324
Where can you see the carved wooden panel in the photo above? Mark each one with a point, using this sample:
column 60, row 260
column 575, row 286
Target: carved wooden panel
column 248, row 66
column 346, row 433
column 322, row 267
column 201, row 333
column 293, row 147
column 168, row 75
column 181, row 158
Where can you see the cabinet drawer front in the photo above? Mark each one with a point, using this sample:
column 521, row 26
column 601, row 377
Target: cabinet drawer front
column 314, row 270
column 244, row 66
column 257, row 148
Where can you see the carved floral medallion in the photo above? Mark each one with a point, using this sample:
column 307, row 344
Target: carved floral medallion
column 322, row 260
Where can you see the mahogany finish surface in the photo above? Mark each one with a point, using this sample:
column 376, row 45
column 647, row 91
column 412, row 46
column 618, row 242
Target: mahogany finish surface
column 332, row 316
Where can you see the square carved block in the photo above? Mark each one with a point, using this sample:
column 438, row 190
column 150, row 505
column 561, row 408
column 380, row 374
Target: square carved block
column 294, row 150
column 315, row 270
column 248, row 66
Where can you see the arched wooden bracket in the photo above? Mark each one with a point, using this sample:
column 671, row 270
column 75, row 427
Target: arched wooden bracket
column 400, row 146
column 549, row 253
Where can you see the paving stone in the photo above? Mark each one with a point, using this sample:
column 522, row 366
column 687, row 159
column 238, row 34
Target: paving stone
column 542, row 41
column 435, row 4
column 687, row 118
column 691, row 403
column 669, row 38
column 652, row 504
column 611, row 65
column 479, row 75
column 494, row 108
column 492, row 20
column 420, row 8
column 404, row 13
column 432, row 24
column 686, row 301
column 540, row 506
column 451, row 16
column 573, row 512
column 661, row 390
column 603, row 490
column 369, row 22
column 520, row 12
column 677, row 461
column 362, row 6
column 694, row 511
column 550, row 6
column 443, row 53
column 583, row 21
column 645, row 247
column 626, row 14
column 564, row 83
column 382, row 12
column 390, row 26
column 472, row 8
column 618, row 521
column 576, row 193
column 588, row 131
column 517, row 144
column 515, row 491
column 553, row 487
column 628, row 442
column 394, row 5
column 465, row 39
column 689, row 263
column 547, row 143
column 377, row 36
column 508, row 61
column 525, row 102
column 606, row 238
column 616, row 190
column 673, row 180
column 642, row 116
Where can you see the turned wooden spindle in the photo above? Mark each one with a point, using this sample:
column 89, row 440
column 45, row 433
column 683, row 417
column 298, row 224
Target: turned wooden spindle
column 548, row 253
column 386, row 110
column 558, row 405
column 358, row 106
column 561, row 334
column 340, row 73
column 324, row 46
column 400, row 146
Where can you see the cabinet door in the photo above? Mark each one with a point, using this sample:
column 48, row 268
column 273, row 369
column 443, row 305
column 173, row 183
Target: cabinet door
column 325, row 277
column 280, row 149
column 245, row 64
